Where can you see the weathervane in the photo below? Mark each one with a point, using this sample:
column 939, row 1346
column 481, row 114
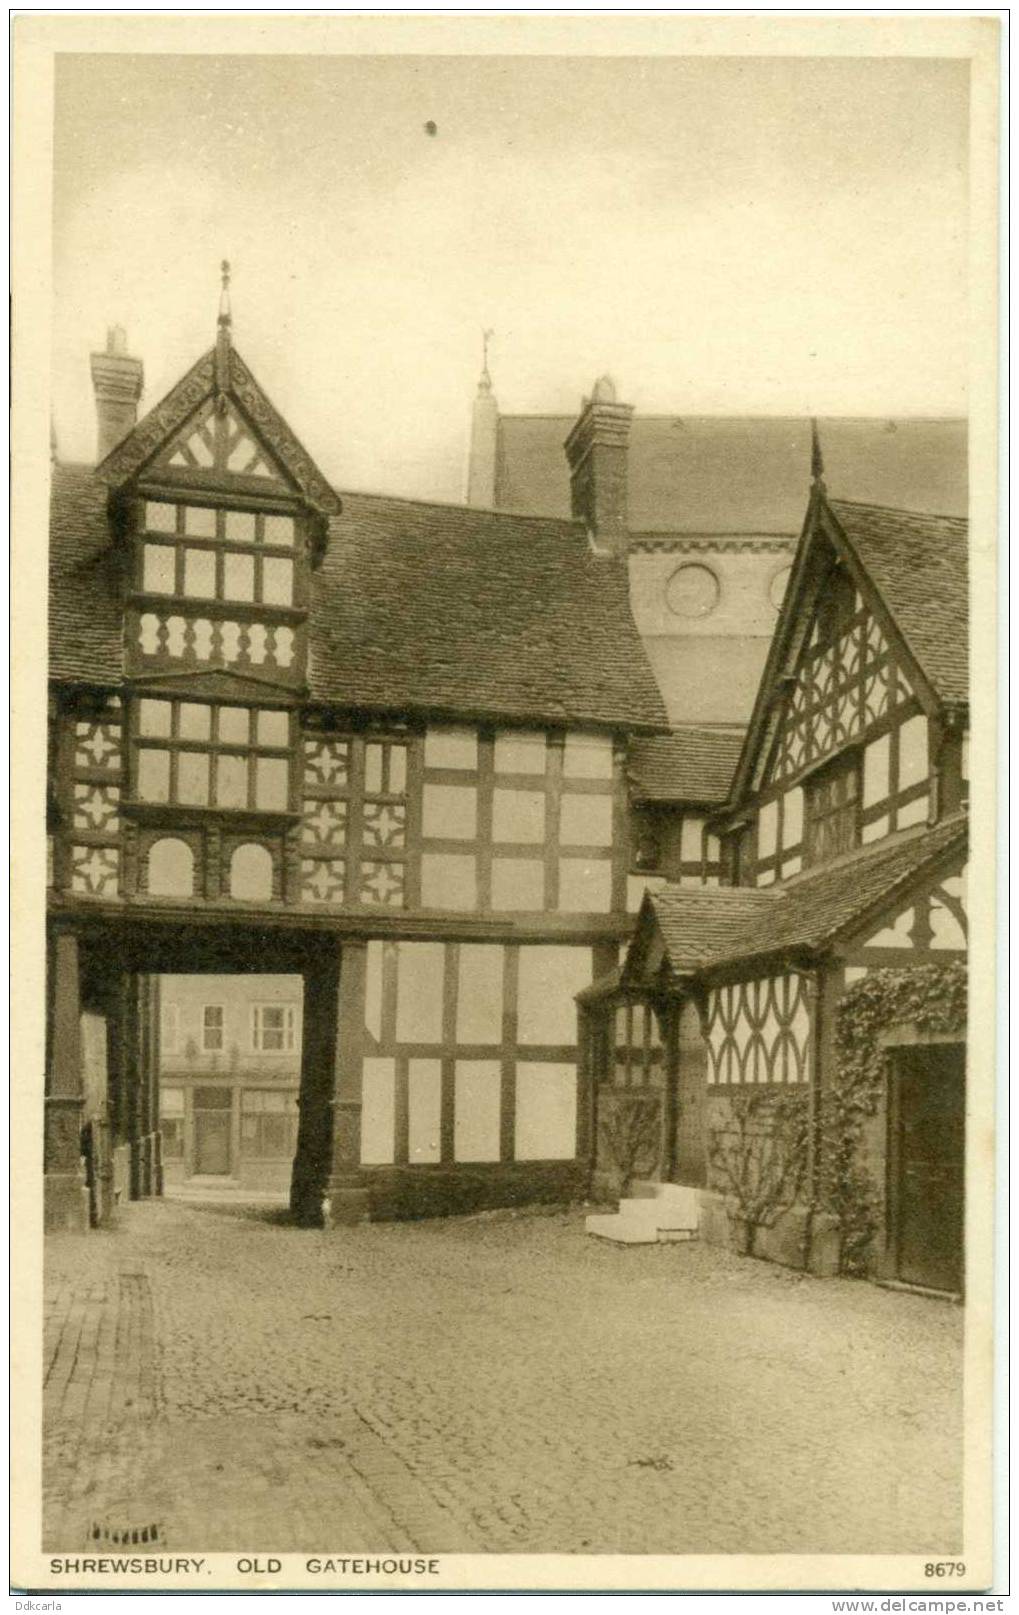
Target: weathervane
column 816, row 456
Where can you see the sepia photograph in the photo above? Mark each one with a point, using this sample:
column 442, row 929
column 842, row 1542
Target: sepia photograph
column 497, row 1109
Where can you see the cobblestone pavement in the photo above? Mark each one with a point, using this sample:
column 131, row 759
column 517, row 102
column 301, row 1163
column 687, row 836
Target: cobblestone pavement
column 503, row 1383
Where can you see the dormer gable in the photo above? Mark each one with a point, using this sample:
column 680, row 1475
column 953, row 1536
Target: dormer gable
column 217, row 428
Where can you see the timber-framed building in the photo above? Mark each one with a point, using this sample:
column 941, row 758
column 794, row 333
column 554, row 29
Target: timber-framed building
column 418, row 756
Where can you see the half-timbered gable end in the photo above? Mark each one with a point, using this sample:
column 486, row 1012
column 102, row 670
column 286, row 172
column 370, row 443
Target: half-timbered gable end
column 858, row 730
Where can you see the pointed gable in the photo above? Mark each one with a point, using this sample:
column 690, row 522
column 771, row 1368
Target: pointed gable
column 840, row 658
column 217, row 426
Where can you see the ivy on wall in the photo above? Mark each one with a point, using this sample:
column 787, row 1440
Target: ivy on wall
column 930, row 997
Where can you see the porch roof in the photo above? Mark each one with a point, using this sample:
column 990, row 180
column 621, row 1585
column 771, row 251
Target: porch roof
column 705, row 929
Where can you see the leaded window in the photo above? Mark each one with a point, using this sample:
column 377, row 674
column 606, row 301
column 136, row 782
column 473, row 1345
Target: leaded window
column 200, row 552
column 833, row 811
column 196, row 754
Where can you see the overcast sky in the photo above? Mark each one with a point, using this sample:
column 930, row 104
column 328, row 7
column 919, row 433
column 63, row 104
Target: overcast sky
column 722, row 235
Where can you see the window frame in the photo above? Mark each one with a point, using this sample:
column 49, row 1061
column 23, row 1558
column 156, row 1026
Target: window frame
column 175, row 745
column 251, row 1121
column 288, row 1029
column 836, row 771
column 214, row 1048
column 219, row 545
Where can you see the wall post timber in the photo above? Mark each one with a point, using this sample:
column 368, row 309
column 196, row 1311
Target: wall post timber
column 66, row 1199
column 141, row 1134
column 348, row 1196
column 155, row 1061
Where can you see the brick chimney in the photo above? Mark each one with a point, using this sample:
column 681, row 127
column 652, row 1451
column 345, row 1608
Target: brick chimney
column 597, row 450
column 117, row 380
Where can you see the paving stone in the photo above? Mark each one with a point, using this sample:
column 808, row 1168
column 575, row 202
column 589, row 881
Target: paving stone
column 500, row 1383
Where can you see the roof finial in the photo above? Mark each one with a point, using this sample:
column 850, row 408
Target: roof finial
column 224, row 296
column 485, row 381
column 816, row 456
column 223, row 340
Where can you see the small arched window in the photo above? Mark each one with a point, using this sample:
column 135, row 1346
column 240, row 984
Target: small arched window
column 251, row 873
column 171, row 868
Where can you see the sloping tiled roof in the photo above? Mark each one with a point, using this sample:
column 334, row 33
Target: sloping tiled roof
column 725, row 474
column 705, row 928
column 688, row 765
column 86, row 627
column 920, row 566
column 428, row 607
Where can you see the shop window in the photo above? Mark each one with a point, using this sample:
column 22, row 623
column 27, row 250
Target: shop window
column 171, row 1122
column 268, row 1124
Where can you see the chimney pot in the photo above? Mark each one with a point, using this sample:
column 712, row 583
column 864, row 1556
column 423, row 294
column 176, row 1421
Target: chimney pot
column 117, row 380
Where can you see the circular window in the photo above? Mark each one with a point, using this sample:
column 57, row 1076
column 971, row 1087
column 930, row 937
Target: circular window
column 778, row 585
column 692, row 591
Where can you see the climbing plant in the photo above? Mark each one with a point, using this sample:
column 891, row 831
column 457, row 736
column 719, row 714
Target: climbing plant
column 759, row 1157
column 931, row 997
column 629, row 1126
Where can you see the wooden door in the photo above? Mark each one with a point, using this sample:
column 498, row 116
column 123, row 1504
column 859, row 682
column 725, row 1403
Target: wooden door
column 928, row 1159
column 213, row 1121
column 691, row 1149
